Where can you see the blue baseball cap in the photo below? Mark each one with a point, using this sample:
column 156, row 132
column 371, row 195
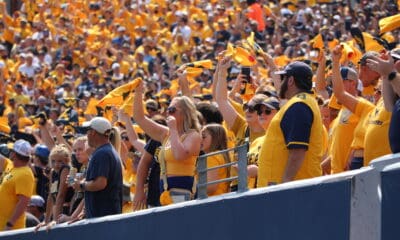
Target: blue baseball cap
column 42, row 150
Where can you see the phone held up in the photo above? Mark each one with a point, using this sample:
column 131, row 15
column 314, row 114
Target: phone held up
column 246, row 71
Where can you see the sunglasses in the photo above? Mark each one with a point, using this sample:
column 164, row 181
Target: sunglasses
column 151, row 109
column 171, row 110
column 125, row 138
column 248, row 108
column 267, row 111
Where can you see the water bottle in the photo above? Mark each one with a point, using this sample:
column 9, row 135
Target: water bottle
column 72, row 174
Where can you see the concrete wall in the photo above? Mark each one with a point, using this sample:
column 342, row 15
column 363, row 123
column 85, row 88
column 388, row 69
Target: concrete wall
column 343, row 206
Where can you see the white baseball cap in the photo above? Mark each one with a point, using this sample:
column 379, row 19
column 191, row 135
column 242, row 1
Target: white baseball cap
column 121, row 29
column 115, row 65
column 36, row 201
column 22, row 147
column 99, row 124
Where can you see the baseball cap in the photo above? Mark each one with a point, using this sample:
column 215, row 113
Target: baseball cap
column 367, row 55
column 152, row 104
column 348, row 74
column 22, row 147
column 99, row 124
column 42, row 150
column 36, row 201
column 115, row 65
column 121, row 29
column 301, row 72
column 395, row 53
column 271, row 103
column 5, row 150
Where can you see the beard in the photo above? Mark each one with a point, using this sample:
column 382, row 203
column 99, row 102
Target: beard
column 283, row 90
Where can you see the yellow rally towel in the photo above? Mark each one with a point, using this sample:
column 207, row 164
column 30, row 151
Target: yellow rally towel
column 201, row 64
column 388, row 24
column 244, row 58
column 117, row 96
column 317, row 42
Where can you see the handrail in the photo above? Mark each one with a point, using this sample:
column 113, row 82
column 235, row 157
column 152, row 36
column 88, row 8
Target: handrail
column 242, row 170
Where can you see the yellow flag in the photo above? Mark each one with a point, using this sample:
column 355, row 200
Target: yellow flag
column 91, row 107
column 357, row 54
column 4, row 127
column 371, row 43
column 254, row 46
column 350, row 52
column 388, row 24
column 347, row 53
column 117, row 96
column 317, row 42
column 244, row 58
column 193, row 72
column 230, row 50
column 332, row 44
column 201, row 64
column 127, row 106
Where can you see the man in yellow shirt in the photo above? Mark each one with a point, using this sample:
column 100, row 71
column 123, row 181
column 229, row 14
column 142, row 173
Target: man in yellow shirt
column 294, row 139
column 16, row 188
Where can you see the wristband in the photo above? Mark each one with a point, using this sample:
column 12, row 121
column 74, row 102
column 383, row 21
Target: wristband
column 82, row 186
column 392, row 75
column 8, row 224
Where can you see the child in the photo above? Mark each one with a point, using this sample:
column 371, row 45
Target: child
column 214, row 139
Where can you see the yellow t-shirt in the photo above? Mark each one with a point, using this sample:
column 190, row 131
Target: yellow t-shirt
column 368, row 93
column 19, row 181
column 342, row 137
column 377, row 130
column 214, row 161
column 252, row 158
column 363, row 109
column 239, row 129
column 6, row 168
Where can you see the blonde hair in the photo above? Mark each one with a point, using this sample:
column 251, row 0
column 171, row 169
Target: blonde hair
column 189, row 111
column 81, row 139
column 62, row 151
column 115, row 138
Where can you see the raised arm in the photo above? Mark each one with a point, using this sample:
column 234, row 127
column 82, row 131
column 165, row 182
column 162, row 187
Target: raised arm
column 221, row 92
column 320, row 83
column 156, row 131
column 348, row 100
column 133, row 137
column 184, row 84
column 384, row 68
column 44, row 126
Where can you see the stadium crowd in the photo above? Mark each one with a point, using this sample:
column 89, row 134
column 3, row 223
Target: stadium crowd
column 105, row 106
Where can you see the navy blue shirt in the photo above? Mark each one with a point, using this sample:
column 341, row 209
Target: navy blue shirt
column 104, row 162
column 296, row 126
column 153, row 194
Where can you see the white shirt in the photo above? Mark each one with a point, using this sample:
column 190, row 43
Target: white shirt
column 29, row 71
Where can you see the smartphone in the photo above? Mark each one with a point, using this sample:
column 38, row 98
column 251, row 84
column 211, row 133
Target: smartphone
column 246, row 71
column 348, row 21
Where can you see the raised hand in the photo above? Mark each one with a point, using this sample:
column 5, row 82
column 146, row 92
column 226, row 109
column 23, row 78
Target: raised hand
column 337, row 53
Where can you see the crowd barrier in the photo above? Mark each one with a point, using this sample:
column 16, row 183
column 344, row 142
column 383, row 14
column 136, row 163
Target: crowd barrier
column 360, row 204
